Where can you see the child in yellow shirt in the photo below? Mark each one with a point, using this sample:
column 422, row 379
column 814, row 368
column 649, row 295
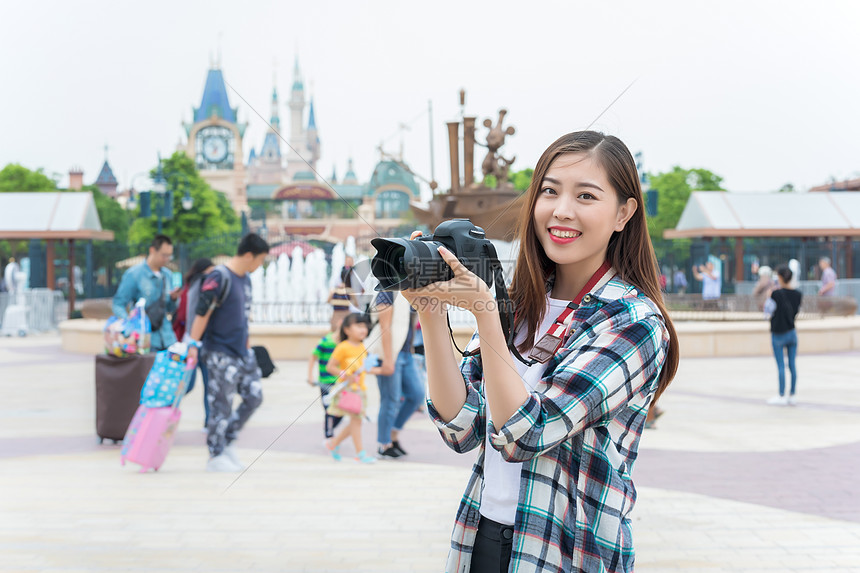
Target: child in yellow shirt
column 347, row 363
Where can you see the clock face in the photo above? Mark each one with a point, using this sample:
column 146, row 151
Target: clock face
column 215, row 149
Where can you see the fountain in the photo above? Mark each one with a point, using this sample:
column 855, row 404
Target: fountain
column 258, row 288
column 271, row 291
column 283, row 291
column 298, row 290
column 338, row 256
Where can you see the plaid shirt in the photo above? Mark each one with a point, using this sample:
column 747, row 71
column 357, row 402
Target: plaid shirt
column 578, row 436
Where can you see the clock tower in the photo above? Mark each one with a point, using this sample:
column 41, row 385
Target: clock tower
column 215, row 141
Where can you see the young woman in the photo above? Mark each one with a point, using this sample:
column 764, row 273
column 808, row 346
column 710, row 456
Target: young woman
column 551, row 489
column 184, row 318
column 786, row 304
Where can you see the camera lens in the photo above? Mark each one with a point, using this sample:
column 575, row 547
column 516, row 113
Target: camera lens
column 404, row 264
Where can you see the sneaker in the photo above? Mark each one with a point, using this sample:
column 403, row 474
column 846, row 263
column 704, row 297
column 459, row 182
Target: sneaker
column 362, row 457
column 396, row 446
column 230, row 452
column 222, row 463
column 778, row 401
column 792, row 400
column 388, row 453
column 333, row 451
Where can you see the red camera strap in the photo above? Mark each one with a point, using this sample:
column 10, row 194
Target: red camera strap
column 550, row 342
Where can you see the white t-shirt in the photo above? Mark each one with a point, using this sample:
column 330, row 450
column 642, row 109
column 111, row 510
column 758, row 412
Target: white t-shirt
column 710, row 287
column 502, row 479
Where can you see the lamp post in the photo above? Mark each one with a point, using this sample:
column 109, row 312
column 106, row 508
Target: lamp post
column 161, row 188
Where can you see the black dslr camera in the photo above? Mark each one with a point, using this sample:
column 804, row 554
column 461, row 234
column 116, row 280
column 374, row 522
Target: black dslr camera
column 401, row 264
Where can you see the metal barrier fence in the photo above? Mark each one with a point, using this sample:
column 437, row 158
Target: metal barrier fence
column 746, row 307
column 317, row 313
column 45, row 308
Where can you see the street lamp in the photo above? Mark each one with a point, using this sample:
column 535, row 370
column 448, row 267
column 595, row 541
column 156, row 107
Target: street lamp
column 160, row 186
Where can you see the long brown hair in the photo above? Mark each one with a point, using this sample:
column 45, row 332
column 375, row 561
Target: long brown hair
column 638, row 263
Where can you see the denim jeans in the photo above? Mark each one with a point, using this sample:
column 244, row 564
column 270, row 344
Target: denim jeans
column 205, row 375
column 399, row 396
column 782, row 342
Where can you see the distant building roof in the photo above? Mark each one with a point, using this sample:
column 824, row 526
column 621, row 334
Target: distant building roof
column 304, row 176
column 106, row 176
column 215, row 101
column 393, row 173
column 36, row 215
column 721, row 214
column 847, row 185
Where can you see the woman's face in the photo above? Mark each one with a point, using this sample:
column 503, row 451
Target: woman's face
column 577, row 211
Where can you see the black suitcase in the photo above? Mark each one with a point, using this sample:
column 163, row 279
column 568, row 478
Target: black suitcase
column 118, row 385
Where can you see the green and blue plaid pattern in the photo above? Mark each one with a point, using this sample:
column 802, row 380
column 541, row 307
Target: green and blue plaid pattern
column 578, row 436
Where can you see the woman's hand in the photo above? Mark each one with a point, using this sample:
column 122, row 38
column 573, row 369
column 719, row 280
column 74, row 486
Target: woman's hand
column 465, row 290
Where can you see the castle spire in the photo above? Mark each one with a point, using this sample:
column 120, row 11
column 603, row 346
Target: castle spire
column 275, row 120
column 312, row 121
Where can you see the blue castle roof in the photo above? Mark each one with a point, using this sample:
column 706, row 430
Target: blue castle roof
column 271, row 146
column 106, row 176
column 312, row 120
column 215, row 101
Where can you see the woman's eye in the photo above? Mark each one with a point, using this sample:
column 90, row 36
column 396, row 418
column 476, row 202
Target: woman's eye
column 586, row 196
column 548, row 191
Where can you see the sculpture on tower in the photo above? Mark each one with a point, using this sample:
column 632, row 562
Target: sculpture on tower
column 496, row 208
column 494, row 163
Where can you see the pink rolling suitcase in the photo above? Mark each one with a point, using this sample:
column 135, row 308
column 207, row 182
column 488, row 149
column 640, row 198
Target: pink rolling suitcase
column 151, row 432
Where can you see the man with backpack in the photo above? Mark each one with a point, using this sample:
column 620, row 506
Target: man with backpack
column 221, row 332
column 151, row 280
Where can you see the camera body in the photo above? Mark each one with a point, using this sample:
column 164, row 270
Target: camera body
column 408, row 264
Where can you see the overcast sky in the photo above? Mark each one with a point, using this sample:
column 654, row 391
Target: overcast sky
column 762, row 93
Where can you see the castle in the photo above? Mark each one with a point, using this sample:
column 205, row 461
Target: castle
column 281, row 185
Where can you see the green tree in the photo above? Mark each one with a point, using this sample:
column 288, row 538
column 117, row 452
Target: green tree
column 521, row 179
column 673, row 191
column 111, row 214
column 787, row 188
column 16, row 177
column 211, row 214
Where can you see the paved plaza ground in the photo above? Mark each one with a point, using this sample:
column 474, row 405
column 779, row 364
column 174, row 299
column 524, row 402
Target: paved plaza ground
column 725, row 483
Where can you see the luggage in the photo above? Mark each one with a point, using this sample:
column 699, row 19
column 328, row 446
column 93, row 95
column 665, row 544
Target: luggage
column 164, row 379
column 15, row 320
column 264, row 361
column 152, row 430
column 118, row 385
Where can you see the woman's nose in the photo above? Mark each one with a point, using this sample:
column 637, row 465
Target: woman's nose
column 564, row 208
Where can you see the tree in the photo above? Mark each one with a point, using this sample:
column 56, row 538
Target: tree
column 673, row 191
column 521, row 179
column 111, row 214
column 16, row 177
column 787, row 188
column 211, row 214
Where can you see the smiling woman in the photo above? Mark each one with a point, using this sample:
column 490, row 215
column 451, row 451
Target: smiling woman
column 558, row 433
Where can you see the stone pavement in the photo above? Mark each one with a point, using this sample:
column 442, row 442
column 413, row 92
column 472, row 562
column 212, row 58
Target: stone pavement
column 725, row 483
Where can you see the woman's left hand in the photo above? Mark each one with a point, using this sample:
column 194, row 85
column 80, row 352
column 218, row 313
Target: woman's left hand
column 465, row 290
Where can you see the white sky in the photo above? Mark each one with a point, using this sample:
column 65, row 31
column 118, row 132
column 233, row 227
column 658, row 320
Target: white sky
column 762, row 93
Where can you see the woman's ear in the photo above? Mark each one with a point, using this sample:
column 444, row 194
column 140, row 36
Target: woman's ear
column 625, row 213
